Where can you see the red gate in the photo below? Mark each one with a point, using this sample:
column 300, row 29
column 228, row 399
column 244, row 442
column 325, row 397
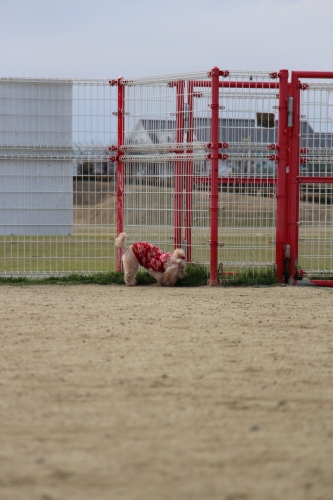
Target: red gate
column 310, row 181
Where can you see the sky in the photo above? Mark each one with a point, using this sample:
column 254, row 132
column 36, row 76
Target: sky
column 133, row 38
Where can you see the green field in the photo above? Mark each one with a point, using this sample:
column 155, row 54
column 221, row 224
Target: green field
column 90, row 251
column 93, row 252
column 52, row 255
column 246, row 233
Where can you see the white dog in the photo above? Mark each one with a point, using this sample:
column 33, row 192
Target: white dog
column 166, row 268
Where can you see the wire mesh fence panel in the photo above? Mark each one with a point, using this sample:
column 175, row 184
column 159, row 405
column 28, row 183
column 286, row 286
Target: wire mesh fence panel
column 150, row 109
column 57, row 203
column 198, row 185
column 316, row 230
column 248, row 120
column 160, row 163
column 316, row 196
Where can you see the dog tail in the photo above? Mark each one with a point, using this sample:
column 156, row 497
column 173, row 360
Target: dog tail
column 120, row 241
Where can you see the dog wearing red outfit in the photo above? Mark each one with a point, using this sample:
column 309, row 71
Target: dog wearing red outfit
column 166, row 268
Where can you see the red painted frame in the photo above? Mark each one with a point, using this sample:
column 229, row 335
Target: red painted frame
column 295, row 179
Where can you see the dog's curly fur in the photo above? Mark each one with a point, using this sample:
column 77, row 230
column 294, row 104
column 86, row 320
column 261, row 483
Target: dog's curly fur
column 174, row 265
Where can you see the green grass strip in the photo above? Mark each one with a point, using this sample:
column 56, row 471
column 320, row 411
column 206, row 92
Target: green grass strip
column 251, row 278
column 71, row 279
column 196, row 275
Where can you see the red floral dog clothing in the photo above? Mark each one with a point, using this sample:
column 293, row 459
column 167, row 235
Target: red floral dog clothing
column 150, row 256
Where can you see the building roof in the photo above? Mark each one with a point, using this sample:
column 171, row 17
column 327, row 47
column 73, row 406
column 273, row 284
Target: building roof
column 157, row 131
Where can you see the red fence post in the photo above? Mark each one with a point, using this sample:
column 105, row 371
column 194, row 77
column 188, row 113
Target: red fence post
column 294, row 188
column 214, row 178
column 120, row 170
column 281, row 188
column 179, row 166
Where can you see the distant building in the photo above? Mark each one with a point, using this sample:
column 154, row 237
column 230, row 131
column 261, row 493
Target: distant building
column 240, row 133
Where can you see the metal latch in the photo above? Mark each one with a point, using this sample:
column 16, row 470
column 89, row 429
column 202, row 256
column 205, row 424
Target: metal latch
column 290, row 111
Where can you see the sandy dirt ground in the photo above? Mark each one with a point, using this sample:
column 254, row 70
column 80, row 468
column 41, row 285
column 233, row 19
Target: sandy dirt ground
column 150, row 393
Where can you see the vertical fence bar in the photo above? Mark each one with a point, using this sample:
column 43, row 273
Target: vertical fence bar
column 120, row 169
column 281, row 194
column 214, row 178
column 189, row 175
column 179, row 166
column 293, row 188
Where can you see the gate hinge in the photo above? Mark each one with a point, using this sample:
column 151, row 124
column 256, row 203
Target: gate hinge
column 215, row 106
column 221, row 73
column 210, row 242
column 212, row 106
column 302, row 86
column 290, row 111
column 220, row 156
column 300, row 273
column 220, row 145
column 120, row 112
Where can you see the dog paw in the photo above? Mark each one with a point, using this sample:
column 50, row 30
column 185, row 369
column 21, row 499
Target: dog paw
column 131, row 283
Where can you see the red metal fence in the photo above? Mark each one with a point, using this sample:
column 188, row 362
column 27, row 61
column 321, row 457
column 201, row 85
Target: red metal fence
column 276, row 154
column 234, row 166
